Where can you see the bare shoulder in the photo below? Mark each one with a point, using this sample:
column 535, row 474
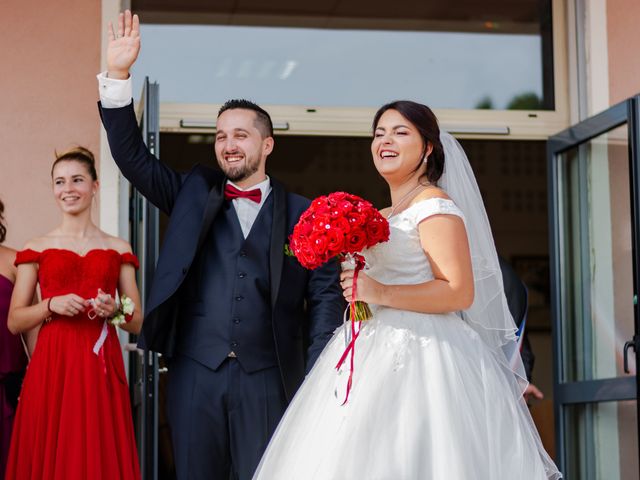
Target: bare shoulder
column 6, row 251
column 7, row 257
column 39, row 244
column 118, row 244
column 430, row 192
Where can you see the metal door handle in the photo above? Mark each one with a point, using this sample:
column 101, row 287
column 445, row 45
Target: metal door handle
column 629, row 344
column 132, row 347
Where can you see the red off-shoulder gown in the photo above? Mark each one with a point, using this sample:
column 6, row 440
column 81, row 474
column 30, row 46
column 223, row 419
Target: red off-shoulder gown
column 73, row 420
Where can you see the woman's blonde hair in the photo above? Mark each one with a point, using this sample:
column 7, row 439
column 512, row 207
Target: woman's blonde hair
column 78, row 154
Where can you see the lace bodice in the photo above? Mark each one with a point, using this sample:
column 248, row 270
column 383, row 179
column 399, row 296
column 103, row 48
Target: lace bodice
column 401, row 260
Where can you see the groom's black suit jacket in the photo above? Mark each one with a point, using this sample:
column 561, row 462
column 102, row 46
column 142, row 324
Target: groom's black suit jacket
column 305, row 305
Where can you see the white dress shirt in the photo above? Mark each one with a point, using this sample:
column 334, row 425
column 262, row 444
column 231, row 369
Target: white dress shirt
column 248, row 210
column 116, row 93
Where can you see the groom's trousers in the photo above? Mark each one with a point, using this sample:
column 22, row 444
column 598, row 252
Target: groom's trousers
column 221, row 420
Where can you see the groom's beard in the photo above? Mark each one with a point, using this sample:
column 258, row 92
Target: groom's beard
column 237, row 173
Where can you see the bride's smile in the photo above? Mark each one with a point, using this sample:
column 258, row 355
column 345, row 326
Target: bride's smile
column 397, row 147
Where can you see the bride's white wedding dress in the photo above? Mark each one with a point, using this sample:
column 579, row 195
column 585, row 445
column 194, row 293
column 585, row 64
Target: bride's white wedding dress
column 429, row 399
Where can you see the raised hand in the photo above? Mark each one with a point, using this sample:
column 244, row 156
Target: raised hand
column 124, row 46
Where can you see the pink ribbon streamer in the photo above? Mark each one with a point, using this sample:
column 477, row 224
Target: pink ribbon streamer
column 350, row 350
column 97, row 347
column 101, row 339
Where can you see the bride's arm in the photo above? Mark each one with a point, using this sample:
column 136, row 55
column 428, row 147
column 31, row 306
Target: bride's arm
column 444, row 241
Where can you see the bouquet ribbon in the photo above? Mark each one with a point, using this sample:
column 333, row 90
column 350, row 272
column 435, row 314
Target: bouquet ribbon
column 101, row 339
column 350, row 350
column 98, row 346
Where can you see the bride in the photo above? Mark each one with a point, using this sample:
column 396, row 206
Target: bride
column 437, row 379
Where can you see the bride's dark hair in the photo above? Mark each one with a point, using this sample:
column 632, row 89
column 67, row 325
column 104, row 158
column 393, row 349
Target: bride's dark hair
column 426, row 123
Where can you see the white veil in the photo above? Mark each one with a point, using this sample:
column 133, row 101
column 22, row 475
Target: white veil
column 489, row 314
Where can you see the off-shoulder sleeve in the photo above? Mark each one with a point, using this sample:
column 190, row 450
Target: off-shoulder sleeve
column 435, row 206
column 130, row 258
column 27, row 256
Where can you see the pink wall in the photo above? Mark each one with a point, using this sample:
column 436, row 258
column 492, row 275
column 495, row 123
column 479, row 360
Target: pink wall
column 49, row 55
column 623, row 17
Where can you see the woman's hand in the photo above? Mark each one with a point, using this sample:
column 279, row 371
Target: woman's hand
column 104, row 305
column 367, row 290
column 68, row 305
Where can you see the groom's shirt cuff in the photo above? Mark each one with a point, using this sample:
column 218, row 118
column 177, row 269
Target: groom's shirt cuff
column 114, row 93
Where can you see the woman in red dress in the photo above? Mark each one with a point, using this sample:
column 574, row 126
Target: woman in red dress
column 73, row 420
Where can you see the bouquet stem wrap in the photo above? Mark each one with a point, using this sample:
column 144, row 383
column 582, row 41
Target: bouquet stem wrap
column 358, row 312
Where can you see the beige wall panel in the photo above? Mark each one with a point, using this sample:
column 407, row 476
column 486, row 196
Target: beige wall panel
column 49, row 57
column 623, row 42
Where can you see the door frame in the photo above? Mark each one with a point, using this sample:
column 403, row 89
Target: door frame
column 144, row 368
column 601, row 390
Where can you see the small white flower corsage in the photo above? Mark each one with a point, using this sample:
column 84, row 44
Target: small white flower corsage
column 125, row 307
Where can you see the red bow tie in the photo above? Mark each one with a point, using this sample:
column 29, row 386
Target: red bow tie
column 231, row 192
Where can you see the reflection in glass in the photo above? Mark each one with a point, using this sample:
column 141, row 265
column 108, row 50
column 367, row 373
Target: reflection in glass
column 485, row 68
column 596, row 275
column 602, row 442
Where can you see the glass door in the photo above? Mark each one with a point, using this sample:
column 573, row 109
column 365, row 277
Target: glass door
column 144, row 368
column 595, row 241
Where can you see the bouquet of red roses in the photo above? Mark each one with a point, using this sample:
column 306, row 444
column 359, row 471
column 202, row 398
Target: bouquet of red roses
column 339, row 225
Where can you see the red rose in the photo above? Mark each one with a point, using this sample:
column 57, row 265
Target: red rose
column 377, row 231
column 335, row 241
column 307, row 257
column 318, row 243
column 335, row 212
column 338, row 196
column 344, row 206
column 341, row 224
column 363, row 205
column 304, row 228
column 296, row 241
column 356, row 219
column 321, row 223
column 318, row 203
column 356, row 241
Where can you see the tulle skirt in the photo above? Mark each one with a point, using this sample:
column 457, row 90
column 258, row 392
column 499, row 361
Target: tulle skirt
column 429, row 400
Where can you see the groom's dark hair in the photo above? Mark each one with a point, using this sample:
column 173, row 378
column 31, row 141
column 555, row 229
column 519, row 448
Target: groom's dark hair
column 263, row 120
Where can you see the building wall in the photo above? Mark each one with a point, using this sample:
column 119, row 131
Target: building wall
column 623, row 44
column 49, row 57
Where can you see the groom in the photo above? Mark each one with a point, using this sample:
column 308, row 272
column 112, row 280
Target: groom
column 240, row 321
